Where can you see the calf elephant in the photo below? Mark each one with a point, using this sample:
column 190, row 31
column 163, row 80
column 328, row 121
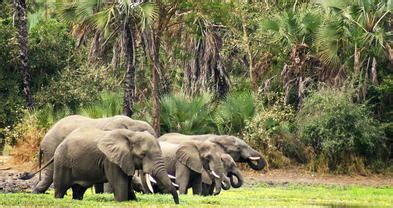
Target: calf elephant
column 89, row 155
column 189, row 161
column 230, row 169
column 237, row 148
column 65, row 126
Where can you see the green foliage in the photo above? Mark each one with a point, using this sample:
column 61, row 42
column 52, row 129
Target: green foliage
column 231, row 115
column 339, row 129
column 110, row 104
column 51, row 50
column 10, row 99
column 272, row 132
column 187, row 115
column 75, row 88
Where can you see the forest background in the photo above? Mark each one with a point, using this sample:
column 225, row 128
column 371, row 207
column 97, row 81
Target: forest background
column 305, row 82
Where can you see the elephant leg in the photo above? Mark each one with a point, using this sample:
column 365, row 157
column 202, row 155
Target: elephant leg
column 62, row 181
column 45, row 182
column 182, row 177
column 197, row 186
column 131, row 193
column 108, row 188
column 99, row 188
column 78, row 191
column 119, row 181
column 205, row 189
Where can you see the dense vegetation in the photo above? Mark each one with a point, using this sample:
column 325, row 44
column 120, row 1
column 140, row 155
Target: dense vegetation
column 303, row 81
column 289, row 195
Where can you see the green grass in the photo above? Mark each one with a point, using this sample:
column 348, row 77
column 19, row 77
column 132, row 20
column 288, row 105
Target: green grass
column 261, row 195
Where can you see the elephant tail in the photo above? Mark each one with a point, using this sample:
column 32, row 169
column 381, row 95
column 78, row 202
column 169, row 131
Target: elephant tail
column 39, row 162
column 27, row 176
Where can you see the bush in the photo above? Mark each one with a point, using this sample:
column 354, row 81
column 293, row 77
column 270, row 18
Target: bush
column 110, row 104
column 187, row 115
column 26, row 136
column 231, row 115
column 340, row 130
column 271, row 132
column 51, row 50
column 74, row 88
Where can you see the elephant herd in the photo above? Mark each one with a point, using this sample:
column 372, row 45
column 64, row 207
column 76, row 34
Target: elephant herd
column 124, row 153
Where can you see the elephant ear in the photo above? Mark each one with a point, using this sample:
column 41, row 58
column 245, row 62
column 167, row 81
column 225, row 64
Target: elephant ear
column 116, row 148
column 206, row 178
column 188, row 155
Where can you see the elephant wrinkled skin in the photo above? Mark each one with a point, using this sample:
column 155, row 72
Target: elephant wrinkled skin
column 65, row 126
column 113, row 156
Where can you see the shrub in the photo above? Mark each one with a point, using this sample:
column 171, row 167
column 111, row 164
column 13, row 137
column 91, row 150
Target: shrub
column 76, row 88
column 231, row 115
column 339, row 129
column 25, row 136
column 188, row 115
column 271, row 132
column 110, row 104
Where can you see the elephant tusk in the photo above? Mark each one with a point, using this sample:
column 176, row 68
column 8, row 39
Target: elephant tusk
column 215, row 174
column 254, row 158
column 171, row 176
column 175, row 185
column 149, row 183
column 152, row 179
column 222, row 182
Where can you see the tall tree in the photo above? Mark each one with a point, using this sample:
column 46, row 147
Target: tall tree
column 21, row 24
column 119, row 20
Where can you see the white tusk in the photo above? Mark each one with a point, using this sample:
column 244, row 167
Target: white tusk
column 254, row 158
column 148, row 183
column 175, row 185
column 215, row 174
column 171, row 176
column 152, row 179
column 222, row 182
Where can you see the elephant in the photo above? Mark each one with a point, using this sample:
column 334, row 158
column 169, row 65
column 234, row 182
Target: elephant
column 65, row 126
column 239, row 150
column 231, row 170
column 190, row 161
column 89, row 155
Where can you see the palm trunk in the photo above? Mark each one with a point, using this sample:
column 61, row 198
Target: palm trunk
column 21, row 24
column 129, row 57
column 152, row 42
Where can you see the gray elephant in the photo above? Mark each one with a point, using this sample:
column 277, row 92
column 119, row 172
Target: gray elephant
column 231, row 170
column 239, row 150
column 88, row 156
column 192, row 161
column 65, row 126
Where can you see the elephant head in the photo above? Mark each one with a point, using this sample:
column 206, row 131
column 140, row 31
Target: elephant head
column 124, row 122
column 232, row 171
column 239, row 150
column 204, row 156
column 132, row 151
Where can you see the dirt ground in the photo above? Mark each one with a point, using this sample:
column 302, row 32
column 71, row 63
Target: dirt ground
column 10, row 172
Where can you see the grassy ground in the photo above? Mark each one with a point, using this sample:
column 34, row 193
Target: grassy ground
column 261, row 195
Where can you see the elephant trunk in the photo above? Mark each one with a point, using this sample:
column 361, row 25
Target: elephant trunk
column 217, row 186
column 258, row 158
column 160, row 173
column 236, row 173
column 226, row 185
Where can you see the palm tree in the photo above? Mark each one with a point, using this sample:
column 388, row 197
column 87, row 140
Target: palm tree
column 356, row 32
column 119, row 20
column 21, row 24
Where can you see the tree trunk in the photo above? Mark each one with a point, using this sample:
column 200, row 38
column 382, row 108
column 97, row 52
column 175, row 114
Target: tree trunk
column 152, row 43
column 374, row 75
column 21, row 24
column 129, row 58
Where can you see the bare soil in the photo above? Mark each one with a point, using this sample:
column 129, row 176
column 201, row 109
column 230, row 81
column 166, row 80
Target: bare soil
column 9, row 173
